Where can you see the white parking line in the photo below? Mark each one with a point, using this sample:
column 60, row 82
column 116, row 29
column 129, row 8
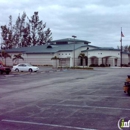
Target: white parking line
column 86, row 106
column 8, row 75
column 42, row 72
column 125, row 97
column 43, row 124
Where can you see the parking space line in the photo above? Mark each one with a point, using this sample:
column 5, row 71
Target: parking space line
column 86, row 106
column 19, row 74
column 42, row 72
column 8, row 75
column 108, row 96
column 43, row 124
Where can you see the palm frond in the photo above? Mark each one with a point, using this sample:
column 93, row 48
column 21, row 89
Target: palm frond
column 55, row 58
column 17, row 56
column 82, row 55
column 5, row 55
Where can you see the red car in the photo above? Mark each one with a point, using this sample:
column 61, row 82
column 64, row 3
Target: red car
column 4, row 69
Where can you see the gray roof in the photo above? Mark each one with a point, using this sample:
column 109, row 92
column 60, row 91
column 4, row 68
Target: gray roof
column 103, row 49
column 70, row 40
column 46, row 49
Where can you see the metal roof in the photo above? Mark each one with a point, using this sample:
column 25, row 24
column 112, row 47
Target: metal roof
column 43, row 49
column 103, row 49
column 70, row 40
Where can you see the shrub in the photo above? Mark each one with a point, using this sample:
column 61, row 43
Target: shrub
column 102, row 65
column 63, row 67
column 87, row 68
column 125, row 65
column 94, row 65
column 47, row 65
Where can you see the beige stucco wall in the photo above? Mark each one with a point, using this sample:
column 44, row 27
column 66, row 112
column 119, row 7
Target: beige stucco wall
column 102, row 53
column 34, row 59
column 39, row 59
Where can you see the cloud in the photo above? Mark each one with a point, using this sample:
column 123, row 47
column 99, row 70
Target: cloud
column 97, row 21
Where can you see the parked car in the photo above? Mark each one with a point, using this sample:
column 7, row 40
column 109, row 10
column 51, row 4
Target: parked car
column 25, row 67
column 4, row 69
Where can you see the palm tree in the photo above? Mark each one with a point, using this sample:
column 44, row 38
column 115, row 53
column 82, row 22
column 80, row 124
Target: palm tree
column 55, row 58
column 17, row 57
column 4, row 55
column 82, row 56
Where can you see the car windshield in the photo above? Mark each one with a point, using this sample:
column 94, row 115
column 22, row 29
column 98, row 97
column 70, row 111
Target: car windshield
column 28, row 64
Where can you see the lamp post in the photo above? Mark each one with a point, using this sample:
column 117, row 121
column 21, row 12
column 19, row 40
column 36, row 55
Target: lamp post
column 87, row 55
column 74, row 49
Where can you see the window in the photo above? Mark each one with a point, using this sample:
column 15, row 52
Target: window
column 21, row 65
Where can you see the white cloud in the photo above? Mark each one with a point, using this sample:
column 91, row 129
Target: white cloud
column 98, row 21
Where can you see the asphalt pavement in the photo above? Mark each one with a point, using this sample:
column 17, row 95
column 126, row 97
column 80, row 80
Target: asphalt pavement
column 64, row 100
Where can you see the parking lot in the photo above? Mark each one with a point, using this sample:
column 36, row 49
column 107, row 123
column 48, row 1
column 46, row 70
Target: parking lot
column 64, row 100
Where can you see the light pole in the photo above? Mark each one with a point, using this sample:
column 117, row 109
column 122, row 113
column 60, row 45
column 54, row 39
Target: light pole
column 87, row 55
column 74, row 49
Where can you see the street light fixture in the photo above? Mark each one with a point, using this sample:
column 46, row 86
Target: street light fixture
column 74, row 48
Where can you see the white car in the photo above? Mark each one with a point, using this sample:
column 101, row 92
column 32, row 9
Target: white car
column 25, row 67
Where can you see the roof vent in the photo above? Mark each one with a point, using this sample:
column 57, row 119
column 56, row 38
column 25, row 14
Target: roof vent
column 49, row 46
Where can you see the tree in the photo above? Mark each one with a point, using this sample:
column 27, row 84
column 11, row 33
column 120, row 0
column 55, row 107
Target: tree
column 25, row 32
column 82, row 56
column 38, row 35
column 7, row 37
column 4, row 55
column 21, row 32
column 126, row 48
column 17, row 57
column 129, row 52
column 55, row 58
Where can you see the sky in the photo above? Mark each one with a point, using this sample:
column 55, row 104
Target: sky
column 97, row 21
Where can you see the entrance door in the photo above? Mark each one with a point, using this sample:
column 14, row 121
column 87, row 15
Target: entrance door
column 64, row 62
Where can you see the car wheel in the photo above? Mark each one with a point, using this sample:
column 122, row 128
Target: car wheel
column 17, row 70
column 30, row 70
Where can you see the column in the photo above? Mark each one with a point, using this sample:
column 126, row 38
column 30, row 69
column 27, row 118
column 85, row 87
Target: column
column 106, row 60
column 71, row 62
column 53, row 63
column 118, row 62
column 113, row 62
column 89, row 61
column 99, row 61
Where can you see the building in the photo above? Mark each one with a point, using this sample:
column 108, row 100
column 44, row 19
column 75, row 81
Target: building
column 67, row 52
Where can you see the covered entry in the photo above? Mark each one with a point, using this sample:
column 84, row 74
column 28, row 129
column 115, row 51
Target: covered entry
column 83, row 61
column 107, row 61
column 94, row 60
column 64, row 62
